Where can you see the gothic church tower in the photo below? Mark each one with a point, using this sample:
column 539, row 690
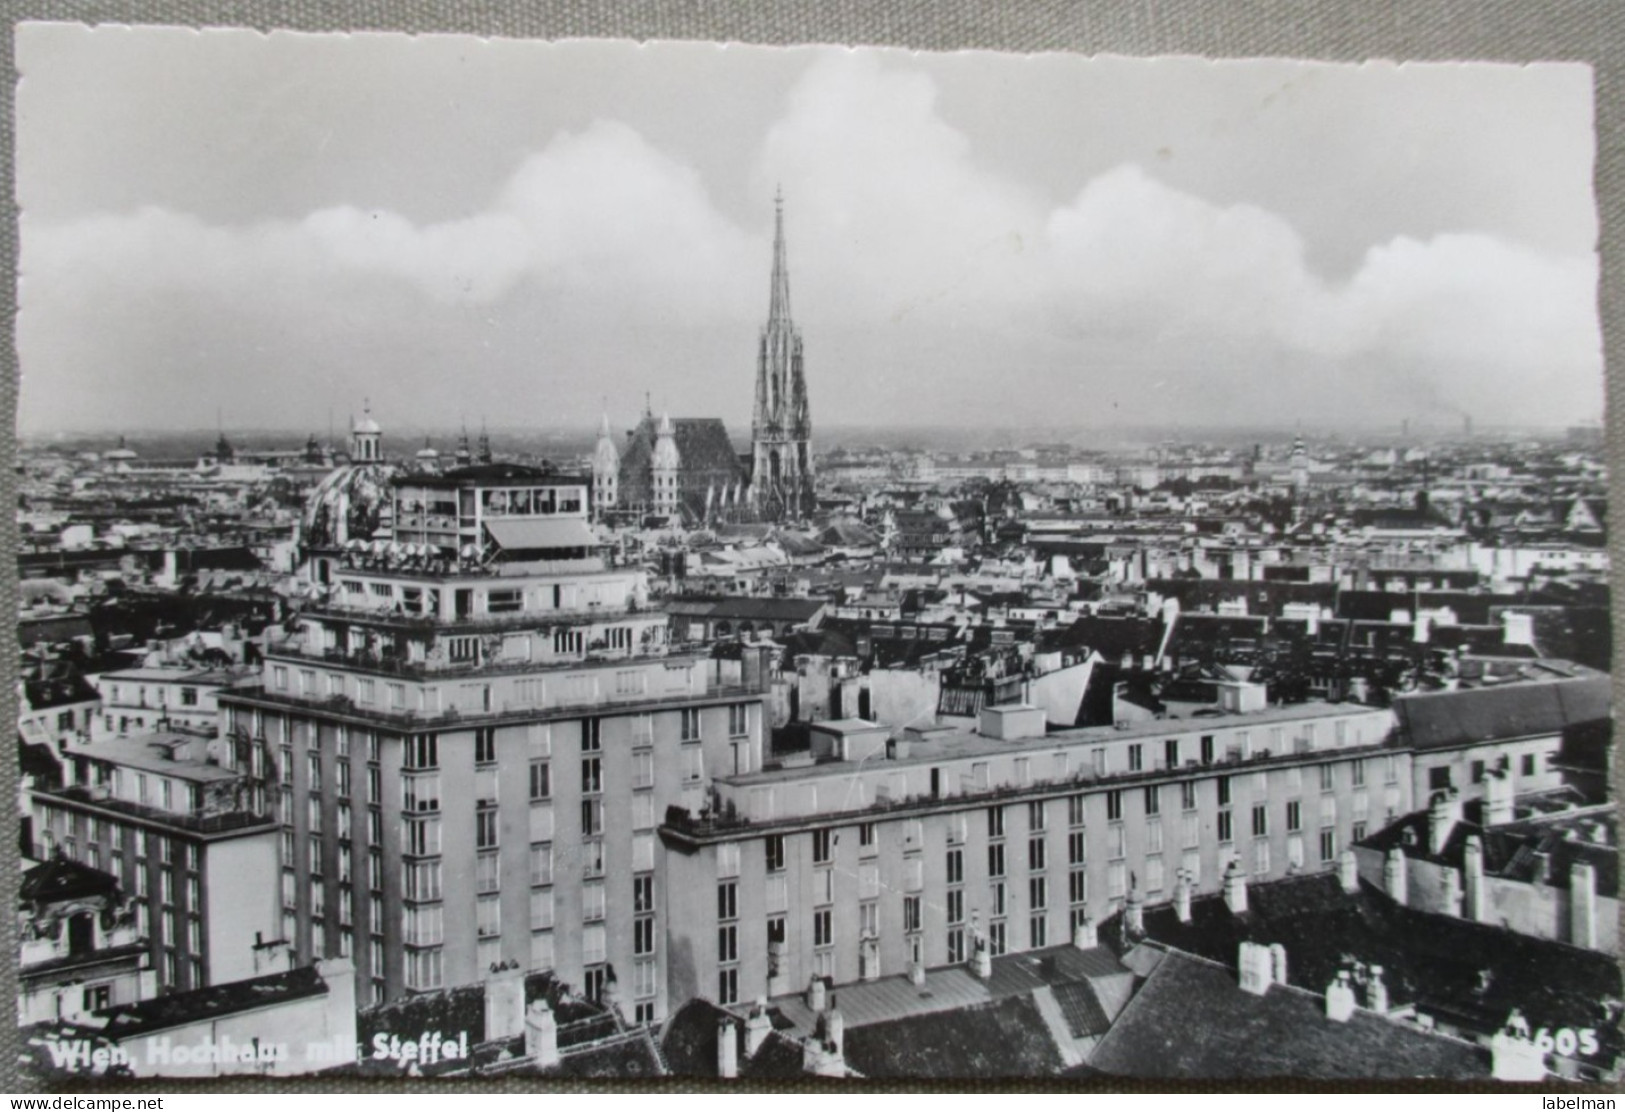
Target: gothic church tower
column 781, row 430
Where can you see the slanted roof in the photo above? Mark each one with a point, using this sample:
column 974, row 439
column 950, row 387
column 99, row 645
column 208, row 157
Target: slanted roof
column 1191, row 1020
column 1448, row 719
column 522, row 535
column 215, row 1002
column 63, row 878
column 1004, row 1038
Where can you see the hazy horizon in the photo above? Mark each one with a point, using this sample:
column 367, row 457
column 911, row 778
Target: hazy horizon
column 275, row 227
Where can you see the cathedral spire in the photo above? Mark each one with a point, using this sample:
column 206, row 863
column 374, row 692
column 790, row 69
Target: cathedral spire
column 778, row 308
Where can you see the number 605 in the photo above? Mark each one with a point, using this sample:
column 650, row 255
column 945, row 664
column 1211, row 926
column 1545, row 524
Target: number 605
column 1566, row 1040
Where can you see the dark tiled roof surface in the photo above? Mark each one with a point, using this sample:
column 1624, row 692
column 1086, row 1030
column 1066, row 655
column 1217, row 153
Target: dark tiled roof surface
column 180, row 1008
column 1453, row 718
column 1007, row 1038
column 1082, row 1009
column 64, row 879
column 1190, row 1020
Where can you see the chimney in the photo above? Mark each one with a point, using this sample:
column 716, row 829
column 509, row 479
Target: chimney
column 916, row 973
column 1086, row 937
column 727, row 1049
column 982, row 961
column 835, row 1031
column 758, row 1026
column 1376, row 990
column 1513, row 1054
column 1583, row 905
column 1348, row 872
column 1444, row 812
column 1235, row 888
column 541, row 1035
column 1450, row 893
column 1182, row 897
column 1472, row 880
column 505, row 1003
column 1134, row 913
column 1255, row 971
column 1393, row 876
column 1277, row 963
column 1340, row 999
column 817, row 994
column 1497, row 798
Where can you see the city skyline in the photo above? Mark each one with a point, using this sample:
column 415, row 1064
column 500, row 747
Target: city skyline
column 564, row 228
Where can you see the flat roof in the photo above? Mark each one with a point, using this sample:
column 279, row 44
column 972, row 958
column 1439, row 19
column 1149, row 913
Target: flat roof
column 142, row 753
column 965, row 742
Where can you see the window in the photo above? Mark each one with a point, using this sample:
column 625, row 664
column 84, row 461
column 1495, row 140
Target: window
column 1153, row 800
column 823, row 927
column 1170, row 753
column 1326, row 778
column 643, row 893
column 591, row 735
column 739, row 720
column 956, row 866
column 1224, row 827
column 488, row 916
column 995, row 859
column 1077, row 886
column 592, row 817
column 1136, row 757
column 728, row 900
column 423, row 969
column 541, row 780
column 592, row 775
column 485, row 827
column 866, row 837
column 995, row 822
column 1117, row 880
column 691, row 724
column 1359, row 832
column 911, row 914
column 774, row 846
column 1037, row 893
column 1207, row 749
column 1074, row 810
column 1075, row 847
column 592, row 903
column 422, row 751
column 956, row 946
column 728, row 942
column 1035, row 815
column 1328, row 844
column 1261, row 821
column 1224, row 790
column 727, row 859
column 487, row 872
column 1528, row 764
column 823, row 846
column 643, row 769
column 1294, row 815
column 420, row 793
column 1035, row 853
column 1114, row 806
column 693, row 764
column 485, row 746
column 1357, row 771
column 1187, row 795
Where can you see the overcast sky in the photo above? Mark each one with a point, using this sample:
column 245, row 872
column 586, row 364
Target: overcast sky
column 277, row 227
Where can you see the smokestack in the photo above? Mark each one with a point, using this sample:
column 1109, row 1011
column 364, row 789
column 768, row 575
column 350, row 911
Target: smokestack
column 1444, row 812
column 1394, row 878
column 1583, row 905
column 1235, row 889
column 1472, row 879
column 727, row 1050
column 1182, row 897
column 1348, row 872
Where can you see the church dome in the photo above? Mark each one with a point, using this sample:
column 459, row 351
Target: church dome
column 350, row 504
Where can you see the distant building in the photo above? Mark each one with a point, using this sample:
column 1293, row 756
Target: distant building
column 80, row 949
column 781, row 430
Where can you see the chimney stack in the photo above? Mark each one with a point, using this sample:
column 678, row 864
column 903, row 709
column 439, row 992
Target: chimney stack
column 982, row 961
column 817, row 995
column 1134, row 912
column 1377, row 991
column 1182, row 897
column 1086, row 937
column 541, row 1035
column 1394, row 878
column 1472, row 880
column 505, row 1003
column 1497, row 798
column 916, row 973
column 1583, row 905
column 1235, row 888
column 1513, row 1054
column 1255, row 968
column 1278, row 963
column 758, row 1026
column 727, row 1049
column 1450, row 893
column 835, row 1031
column 1340, row 999
column 1444, row 812
column 1348, row 872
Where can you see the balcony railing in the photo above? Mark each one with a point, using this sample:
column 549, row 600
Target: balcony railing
column 516, row 619
column 195, row 821
column 725, row 816
column 562, row 705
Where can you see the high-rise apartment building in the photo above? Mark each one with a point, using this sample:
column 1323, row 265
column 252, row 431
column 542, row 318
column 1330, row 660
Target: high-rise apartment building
column 476, row 728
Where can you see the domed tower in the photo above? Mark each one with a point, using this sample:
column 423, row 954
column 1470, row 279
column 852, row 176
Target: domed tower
column 366, row 438
column 428, row 458
column 663, row 466
column 606, row 471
